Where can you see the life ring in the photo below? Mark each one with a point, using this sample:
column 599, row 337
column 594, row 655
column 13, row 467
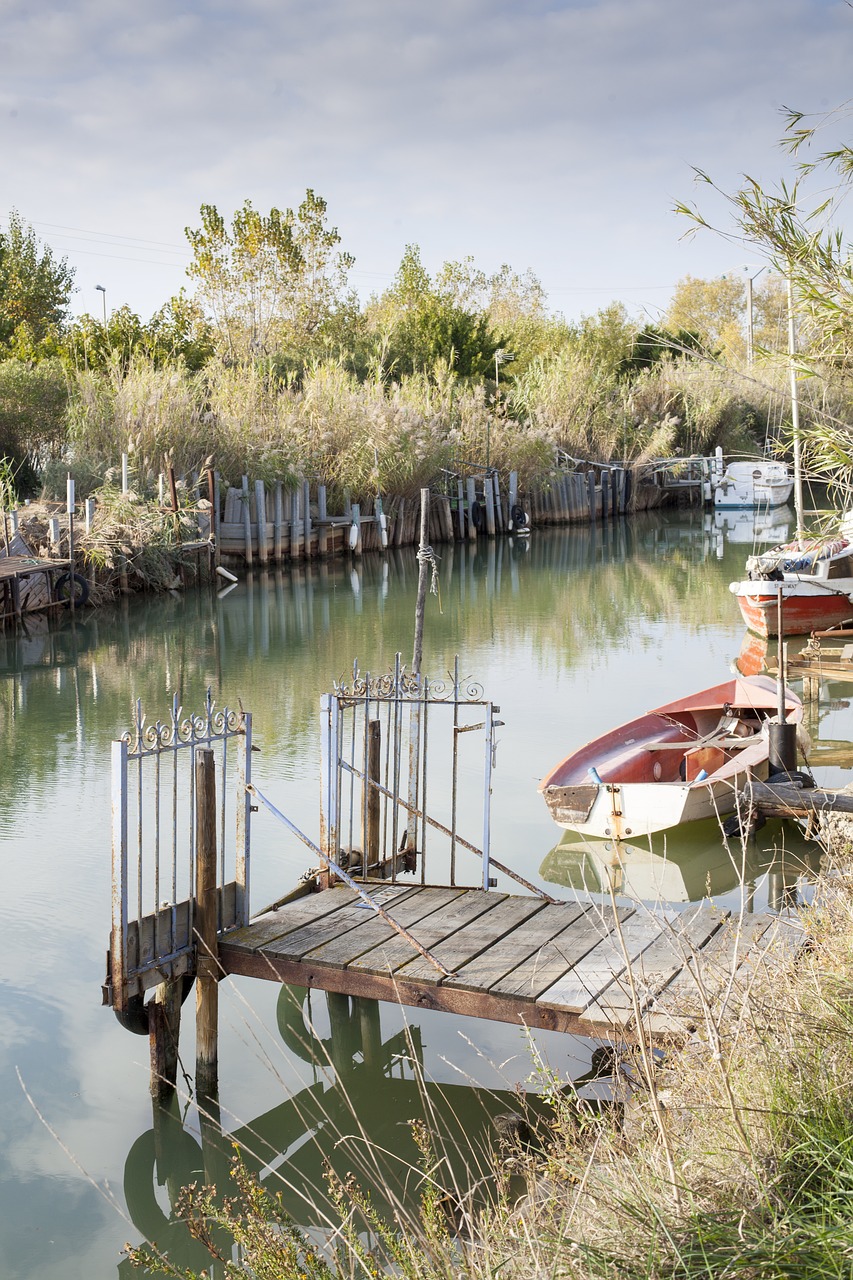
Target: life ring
column 62, row 589
column 477, row 517
column 518, row 517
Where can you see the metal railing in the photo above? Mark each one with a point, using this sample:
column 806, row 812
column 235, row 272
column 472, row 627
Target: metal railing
column 154, row 841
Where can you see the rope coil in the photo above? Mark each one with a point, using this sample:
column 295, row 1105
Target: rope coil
column 426, row 555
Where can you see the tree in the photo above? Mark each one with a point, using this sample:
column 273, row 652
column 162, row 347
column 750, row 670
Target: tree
column 270, row 279
column 421, row 324
column 35, row 288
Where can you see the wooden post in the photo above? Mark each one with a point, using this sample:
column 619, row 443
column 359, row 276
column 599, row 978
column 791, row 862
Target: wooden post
column 472, row 497
column 278, row 523
column 590, row 492
column 489, row 495
column 89, row 514
column 164, row 1024
column 371, row 1035
column 207, row 946
column 605, row 494
column 513, row 498
column 500, row 523
column 322, row 516
column 295, row 526
column 306, row 517
column 373, row 766
column 460, row 509
column 247, row 524
column 261, row 520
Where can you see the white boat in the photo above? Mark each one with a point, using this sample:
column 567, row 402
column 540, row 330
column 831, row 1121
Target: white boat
column 755, row 483
column 808, row 580
column 679, row 763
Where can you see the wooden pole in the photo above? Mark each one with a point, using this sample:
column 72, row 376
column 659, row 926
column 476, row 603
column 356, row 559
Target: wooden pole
column 207, row 946
column 423, row 572
column 372, row 813
column 164, row 1023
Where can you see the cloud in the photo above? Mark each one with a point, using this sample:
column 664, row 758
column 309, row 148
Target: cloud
column 487, row 124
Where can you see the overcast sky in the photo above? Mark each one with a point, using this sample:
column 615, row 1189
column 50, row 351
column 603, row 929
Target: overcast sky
column 554, row 135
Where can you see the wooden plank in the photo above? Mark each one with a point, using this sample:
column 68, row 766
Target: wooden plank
column 657, row 966
column 484, row 971
column 471, row 941
column 298, row 942
column 339, row 952
column 580, row 986
column 389, row 957
column 292, row 916
column 542, row 969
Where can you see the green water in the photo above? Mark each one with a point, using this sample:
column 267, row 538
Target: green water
column 570, row 632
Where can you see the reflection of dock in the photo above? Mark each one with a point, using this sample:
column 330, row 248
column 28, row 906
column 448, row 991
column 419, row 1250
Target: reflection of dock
column 562, row 967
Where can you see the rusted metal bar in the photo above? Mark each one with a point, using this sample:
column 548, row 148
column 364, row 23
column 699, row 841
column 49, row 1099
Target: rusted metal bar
column 118, row 937
column 348, row 880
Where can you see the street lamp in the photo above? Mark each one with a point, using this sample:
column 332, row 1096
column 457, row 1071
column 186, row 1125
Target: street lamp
column 100, row 288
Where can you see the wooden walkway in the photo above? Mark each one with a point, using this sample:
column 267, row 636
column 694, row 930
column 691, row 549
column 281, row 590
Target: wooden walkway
column 560, row 967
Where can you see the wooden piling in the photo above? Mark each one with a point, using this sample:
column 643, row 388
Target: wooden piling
column 164, row 1023
column 322, row 527
column 207, row 947
column 460, row 509
column 306, row 517
column 472, row 498
column 372, row 806
column 247, row 523
column 261, row 520
column 490, row 507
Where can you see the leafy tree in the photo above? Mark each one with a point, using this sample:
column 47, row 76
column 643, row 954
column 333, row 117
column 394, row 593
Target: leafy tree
column 268, row 279
column 714, row 310
column 35, row 289
column 33, row 406
column 420, row 324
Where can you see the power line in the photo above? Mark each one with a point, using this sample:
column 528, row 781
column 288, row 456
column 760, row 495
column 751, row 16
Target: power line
column 112, row 235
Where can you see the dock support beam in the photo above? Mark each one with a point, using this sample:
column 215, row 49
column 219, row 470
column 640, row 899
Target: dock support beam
column 164, row 1024
column 207, row 949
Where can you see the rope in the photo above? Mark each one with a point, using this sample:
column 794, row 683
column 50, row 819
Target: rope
column 426, row 555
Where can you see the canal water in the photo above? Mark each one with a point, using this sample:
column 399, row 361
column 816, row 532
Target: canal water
column 571, row 632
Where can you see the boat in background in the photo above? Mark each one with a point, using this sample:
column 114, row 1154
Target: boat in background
column 809, row 581
column 755, row 482
column 679, row 763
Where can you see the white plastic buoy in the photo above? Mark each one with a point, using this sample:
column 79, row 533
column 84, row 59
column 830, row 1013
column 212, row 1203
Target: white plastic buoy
column 383, row 528
column 353, row 536
column 224, row 573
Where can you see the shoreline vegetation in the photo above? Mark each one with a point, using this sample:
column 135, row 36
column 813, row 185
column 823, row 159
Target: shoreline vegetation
column 731, row 1155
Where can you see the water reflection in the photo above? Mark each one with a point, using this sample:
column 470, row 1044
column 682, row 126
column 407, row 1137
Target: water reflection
column 357, row 1112
column 686, row 866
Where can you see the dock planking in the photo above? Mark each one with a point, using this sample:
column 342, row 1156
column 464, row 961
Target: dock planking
column 513, row 959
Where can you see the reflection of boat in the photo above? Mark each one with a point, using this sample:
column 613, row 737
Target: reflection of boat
column 679, row 763
column 751, row 527
column 694, row 865
column 755, row 482
column 815, row 579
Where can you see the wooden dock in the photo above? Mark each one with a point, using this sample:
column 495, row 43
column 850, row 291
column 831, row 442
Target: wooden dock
column 562, row 967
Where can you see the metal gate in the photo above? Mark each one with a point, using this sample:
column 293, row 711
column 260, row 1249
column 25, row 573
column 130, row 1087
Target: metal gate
column 154, row 842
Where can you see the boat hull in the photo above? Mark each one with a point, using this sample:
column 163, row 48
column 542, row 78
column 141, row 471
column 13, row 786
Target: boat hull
column 806, row 607
column 619, row 812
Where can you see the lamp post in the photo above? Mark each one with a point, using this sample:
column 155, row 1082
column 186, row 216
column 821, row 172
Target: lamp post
column 100, row 288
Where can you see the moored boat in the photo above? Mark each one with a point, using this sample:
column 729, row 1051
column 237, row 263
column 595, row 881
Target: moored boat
column 755, row 482
column 810, row 581
column 679, row 763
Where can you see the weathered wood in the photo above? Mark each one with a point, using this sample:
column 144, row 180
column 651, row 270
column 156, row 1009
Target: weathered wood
column 299, row 942
column 292, row 916
column 342, row 950
column 164, row 1022
column 656, row 966
column 489, row 929
column 526, row 940
column 261, row 522
column 472, row 498
column 542, row 969
column 579, row 988
column 436, row 928
column 786, row 800
column 322, row 528
column 372, row 806
column 207, row 965
column 247, row 523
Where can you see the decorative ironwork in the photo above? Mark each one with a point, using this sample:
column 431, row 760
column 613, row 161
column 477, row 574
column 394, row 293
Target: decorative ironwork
column 403, row 685
column 214, row 725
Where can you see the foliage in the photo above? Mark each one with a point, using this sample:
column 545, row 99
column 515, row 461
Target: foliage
column 269, row 278
column 35, row 289
column 33, row 404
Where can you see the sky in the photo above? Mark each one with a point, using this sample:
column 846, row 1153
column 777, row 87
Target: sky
column 552, row 135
